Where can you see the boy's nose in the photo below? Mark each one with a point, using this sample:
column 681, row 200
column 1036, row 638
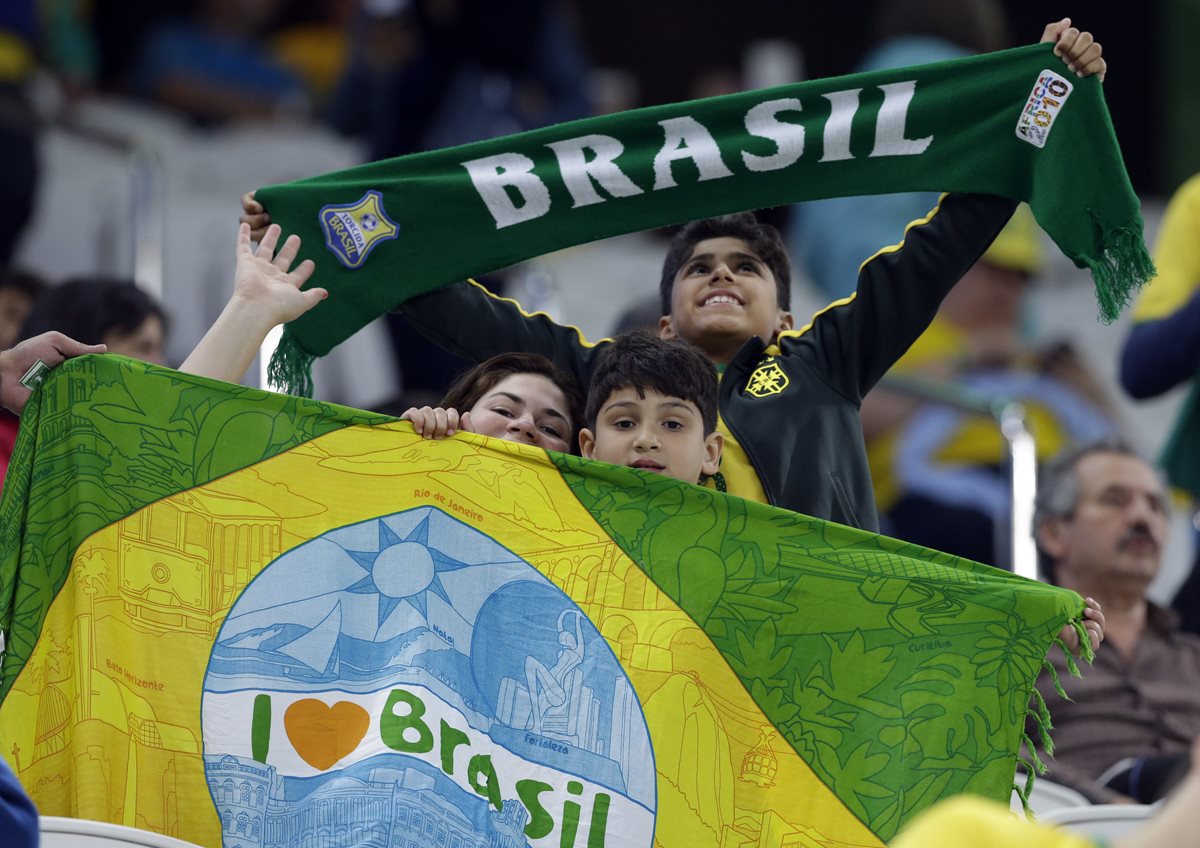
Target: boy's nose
column 646, row 440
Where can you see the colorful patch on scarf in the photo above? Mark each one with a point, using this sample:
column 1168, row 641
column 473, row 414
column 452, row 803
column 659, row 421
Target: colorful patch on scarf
column 353, row 230
column 1047, row 99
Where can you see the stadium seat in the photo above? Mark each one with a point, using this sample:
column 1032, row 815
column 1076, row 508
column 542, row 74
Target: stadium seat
column 1046, row 796
column 58, row 832
column 1101, row 821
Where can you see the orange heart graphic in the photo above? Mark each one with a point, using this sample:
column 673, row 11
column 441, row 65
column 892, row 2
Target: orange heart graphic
column 322, row 735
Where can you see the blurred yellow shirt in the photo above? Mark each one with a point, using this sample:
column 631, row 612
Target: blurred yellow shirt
column 967, row 820
column 977, row 441
column 1176, row 255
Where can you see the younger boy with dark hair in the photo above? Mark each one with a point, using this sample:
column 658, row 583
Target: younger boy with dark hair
column 653, row 405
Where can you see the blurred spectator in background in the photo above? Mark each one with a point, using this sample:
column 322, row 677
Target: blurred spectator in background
column 312, row 40
column 19, row 290
column 120, row 31
column 941, row 474
column 1163, row 351
column 427, row 74
column 92, row 311
column 640, row 315
column 95, row 310
column 54, row 34
column 1127, row 727
column 832, row 237
column 18, row 124
column 214, row 67
column 68, row 46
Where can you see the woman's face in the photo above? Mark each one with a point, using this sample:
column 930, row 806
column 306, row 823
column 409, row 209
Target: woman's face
column 525, row 408
column 146, row 342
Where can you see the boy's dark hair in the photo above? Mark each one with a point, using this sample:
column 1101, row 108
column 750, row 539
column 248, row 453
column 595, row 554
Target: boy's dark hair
column 762, row 239
column 89, row 308
column 671, row 367
column 476, row 382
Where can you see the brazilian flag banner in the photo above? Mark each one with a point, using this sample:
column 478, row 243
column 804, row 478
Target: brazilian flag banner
column 247, row 619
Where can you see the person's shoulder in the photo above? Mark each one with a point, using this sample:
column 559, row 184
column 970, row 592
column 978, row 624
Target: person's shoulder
column 1189, row 192
column 1165, row 622
column 19, row 813
column 1186, row 640
column 1184, row 650
column 1182, row 210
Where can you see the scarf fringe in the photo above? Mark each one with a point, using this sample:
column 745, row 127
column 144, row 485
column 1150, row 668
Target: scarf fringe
column 1040, row 716
column 1039, row 713
column 1124, row 266
column 1024, row 791
column 291, row 367
column 1085, row 642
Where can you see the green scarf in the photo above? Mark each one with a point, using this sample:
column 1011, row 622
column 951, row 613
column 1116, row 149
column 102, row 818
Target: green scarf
column 1015, row 123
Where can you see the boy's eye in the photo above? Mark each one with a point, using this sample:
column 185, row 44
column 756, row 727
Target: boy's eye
column 673, row 425
column 748, row 268
column 698, row 268
column 623, row 424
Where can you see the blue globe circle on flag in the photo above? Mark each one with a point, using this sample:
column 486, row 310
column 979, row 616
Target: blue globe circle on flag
column 418, row 619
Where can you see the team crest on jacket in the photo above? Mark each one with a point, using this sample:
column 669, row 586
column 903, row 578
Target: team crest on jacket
column 767, row 379
column 353, row 230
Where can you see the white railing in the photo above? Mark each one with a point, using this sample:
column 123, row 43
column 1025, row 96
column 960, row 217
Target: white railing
column 1009, row 417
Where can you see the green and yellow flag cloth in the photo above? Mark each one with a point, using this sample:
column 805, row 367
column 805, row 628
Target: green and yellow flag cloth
column 248, row 619
column 1015, row 123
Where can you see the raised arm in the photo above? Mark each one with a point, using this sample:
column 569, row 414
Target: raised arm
column 266, row 292
column 468, row 320
column 900, row 288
